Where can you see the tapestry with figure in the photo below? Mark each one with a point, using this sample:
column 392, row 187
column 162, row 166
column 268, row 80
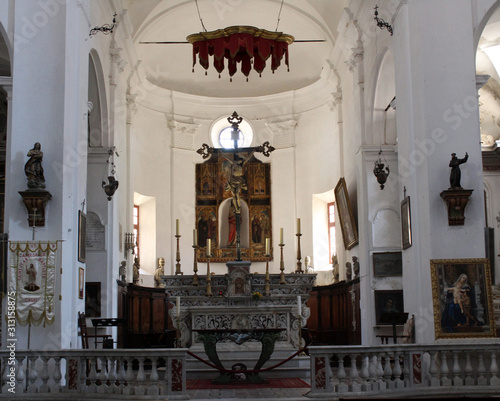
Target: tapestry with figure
column 32, row 272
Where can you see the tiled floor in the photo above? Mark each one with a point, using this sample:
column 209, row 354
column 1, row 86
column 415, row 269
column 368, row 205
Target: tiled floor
column 261, row 394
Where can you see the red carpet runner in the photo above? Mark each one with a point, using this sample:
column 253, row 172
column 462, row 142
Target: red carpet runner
column 272, row 383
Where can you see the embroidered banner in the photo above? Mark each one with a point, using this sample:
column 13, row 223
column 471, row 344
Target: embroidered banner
column 32, row 268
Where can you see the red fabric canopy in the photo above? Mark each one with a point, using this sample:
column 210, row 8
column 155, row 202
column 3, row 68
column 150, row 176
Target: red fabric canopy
column 240, row 48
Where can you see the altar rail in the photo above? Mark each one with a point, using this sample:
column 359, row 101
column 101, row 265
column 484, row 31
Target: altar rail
column 62, row 374
column 399, row 370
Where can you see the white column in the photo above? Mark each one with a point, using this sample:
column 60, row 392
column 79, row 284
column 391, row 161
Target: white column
column 437, row 114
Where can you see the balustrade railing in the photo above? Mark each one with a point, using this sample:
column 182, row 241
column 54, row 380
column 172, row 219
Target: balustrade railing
column 158, row 373
column 416, row 370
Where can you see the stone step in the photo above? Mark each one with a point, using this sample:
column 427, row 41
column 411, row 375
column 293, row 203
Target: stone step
column 248, row 354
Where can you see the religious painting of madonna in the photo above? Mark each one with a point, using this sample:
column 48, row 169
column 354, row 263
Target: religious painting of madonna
column 461, row 293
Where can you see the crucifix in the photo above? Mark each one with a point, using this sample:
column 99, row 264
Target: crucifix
column 236, row 182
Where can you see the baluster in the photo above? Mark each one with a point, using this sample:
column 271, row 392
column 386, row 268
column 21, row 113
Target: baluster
column 354, row 375
column 44, row 388
column 364, row 374
column 342, row 387
column 372, row 371
column 56, row 387
column 469, row 378
column 83, row 364
column 433, row 370
column 121, row 375
column 101, row 377
column 407, row 366
column 92, row 375
column 396, row 371
column 457, row 380
column 32, row 376
column 141, row 378
column 112, row 376
column 153, row 378
column 20, row 375
column 481, row 370
column 445, row 380
column 494, row 380
column 380, row 372
column 129, row 377
column 388, row 371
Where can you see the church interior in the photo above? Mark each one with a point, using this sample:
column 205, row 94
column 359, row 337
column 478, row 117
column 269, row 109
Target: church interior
column 207, row 187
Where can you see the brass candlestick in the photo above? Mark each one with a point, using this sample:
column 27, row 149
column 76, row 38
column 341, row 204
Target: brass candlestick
column 267, row 286
column 282, row 265
column 209, row 279
column 299, row 256
column 178, row 258
column 195, row 266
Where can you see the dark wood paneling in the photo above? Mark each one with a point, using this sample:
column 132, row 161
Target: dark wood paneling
column 332, row 311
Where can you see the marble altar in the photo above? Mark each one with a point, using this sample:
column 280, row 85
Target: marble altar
column 232, row 305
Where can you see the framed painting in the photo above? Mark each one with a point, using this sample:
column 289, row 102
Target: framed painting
column 81, row 282
column 388, row 301
column 462, row 299
column 93, row 299
column 347, row 223
column 406, row 222
column 387, row 264
column 82, row 232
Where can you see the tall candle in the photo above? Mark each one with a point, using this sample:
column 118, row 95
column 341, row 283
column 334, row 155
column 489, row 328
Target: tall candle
column 267, row 246
column 177, row 227
column 209, row 247
column 281, row 235
column 298, row 226
column 195, row 237
column 178, row 305
column 299, row 304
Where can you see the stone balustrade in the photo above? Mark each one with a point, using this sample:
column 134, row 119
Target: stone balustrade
column 152, row 373
column 410, row 370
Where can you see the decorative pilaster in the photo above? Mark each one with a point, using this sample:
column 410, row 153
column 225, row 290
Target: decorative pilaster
column 183, row 134
column 283, row 133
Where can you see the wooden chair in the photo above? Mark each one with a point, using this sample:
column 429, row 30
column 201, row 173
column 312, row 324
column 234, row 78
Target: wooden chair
column 98, row 338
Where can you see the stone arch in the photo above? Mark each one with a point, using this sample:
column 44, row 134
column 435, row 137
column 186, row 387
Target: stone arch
column 98, row 111
column 382, row 126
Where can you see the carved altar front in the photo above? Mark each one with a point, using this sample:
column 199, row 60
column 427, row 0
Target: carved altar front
column 233, row 307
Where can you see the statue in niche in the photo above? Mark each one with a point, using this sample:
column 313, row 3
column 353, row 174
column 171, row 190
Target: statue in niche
column 33, row 167
column 335, row 267
column 348, row 271
column 231, row 219
column 455, row 174
column 355, row 267
column 212, row 227
column 123, row 270
column 137, row 266
column 160, row 271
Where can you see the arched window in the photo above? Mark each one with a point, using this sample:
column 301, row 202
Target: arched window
column 220, row 133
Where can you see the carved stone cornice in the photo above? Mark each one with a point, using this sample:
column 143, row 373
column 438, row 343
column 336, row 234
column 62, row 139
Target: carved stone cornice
column 283, row 133
column 116, row 57
column 336, row 100
column 183, row 134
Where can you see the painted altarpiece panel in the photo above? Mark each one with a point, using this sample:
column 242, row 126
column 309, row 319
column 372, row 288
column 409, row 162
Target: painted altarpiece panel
column 214, row 213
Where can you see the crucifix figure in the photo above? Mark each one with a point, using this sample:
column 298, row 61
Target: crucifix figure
column 236, row 182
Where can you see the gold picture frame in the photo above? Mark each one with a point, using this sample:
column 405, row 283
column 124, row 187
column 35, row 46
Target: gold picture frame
column 81, row 282
column 82, row 233
column 462, row 299
column 406, row 222
column 346, row 217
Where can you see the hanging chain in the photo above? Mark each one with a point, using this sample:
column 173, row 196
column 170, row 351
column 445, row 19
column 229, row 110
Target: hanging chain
column 199, row 15
column 279, row 15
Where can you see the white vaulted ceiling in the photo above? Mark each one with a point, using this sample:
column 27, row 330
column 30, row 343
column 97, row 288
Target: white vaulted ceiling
column 169, row 66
